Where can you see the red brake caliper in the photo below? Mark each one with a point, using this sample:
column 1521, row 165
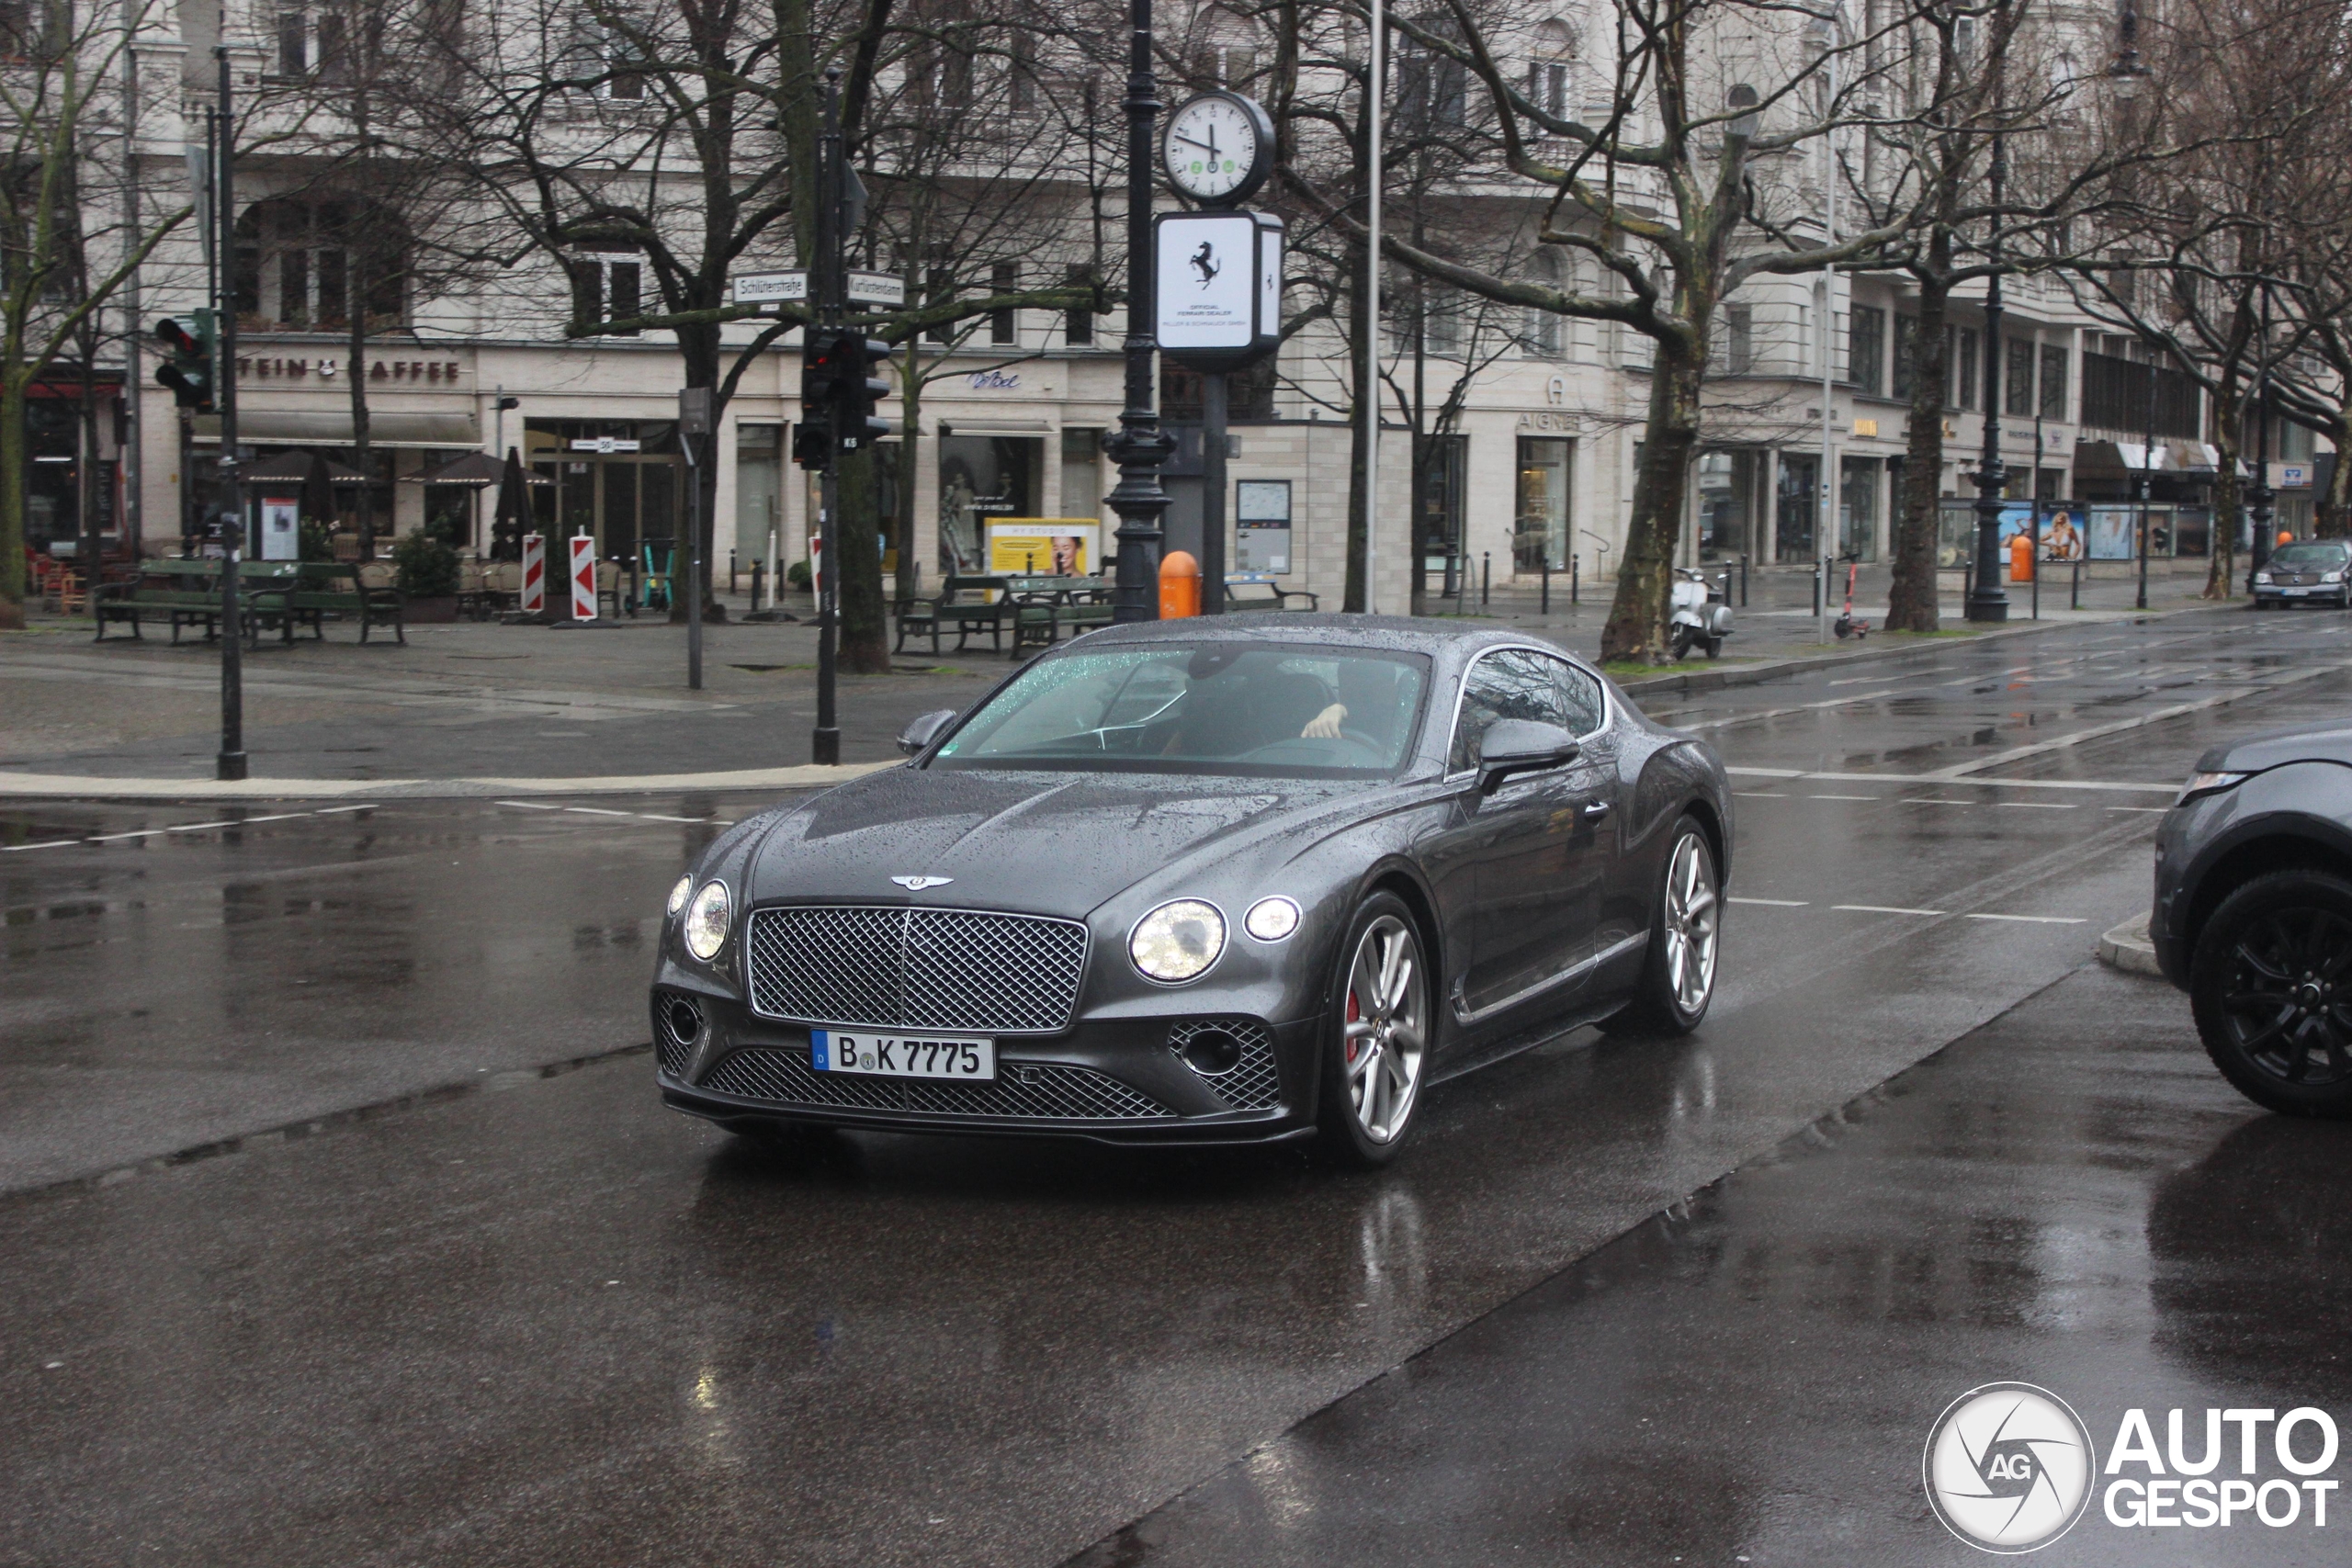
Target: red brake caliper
column 1355, row 1015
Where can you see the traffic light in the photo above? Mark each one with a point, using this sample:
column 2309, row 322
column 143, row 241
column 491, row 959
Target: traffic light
column 189, row 373
column 857, row 390
column 820, row 376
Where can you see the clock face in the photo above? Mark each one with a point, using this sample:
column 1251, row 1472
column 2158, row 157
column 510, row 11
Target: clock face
column 1213, row 149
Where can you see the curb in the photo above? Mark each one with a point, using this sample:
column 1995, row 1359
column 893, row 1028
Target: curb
column 2127, row 948
column 1687, row 684
column 32, row 786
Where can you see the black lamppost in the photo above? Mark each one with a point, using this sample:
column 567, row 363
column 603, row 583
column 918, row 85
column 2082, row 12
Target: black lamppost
column 1987, row 599
column 230, row 763
column 1141, row 446
column 2147, row 472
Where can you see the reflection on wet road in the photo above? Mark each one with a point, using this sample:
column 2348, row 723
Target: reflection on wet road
column 556, row 1324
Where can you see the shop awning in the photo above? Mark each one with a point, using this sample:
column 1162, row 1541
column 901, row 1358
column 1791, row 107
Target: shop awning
column 331, row 427
column 2119, row 460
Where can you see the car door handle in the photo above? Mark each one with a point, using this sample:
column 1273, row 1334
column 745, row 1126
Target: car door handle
column 1595, row 809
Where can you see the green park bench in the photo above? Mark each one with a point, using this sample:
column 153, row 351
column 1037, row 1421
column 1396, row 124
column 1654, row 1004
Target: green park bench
column 322, row 588
column 1253, row 595
column 969, row 605
column 166, row 592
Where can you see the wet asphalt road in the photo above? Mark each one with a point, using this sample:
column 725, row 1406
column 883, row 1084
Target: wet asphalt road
column 552, row 1322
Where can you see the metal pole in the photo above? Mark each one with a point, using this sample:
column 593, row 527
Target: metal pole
column 1547, row 579
column 1575, row 576
column 1986, row 601
column 1829, row 540
column 1212, row 412
column 1140, row 445
column 1486, row 576
column 230, row 763
column 694, row 566
column 134, row 461
column 2261, row 496
column 2034, row 556
column 2147, row 467
column 1375, row 80
column 825, row 296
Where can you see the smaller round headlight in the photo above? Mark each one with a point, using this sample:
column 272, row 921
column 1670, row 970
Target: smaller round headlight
column 1178, row 941
column 1271, row 919
column 707, row 921
column 682, row 892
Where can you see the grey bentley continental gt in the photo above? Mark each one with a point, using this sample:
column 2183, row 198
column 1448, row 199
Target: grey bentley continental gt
column 1204, row 881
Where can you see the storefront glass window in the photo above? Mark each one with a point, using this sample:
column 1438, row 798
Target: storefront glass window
column 1857, row 507
column 982, row 476
column 1798, row 507
column 1728, row 493
column 758, row 489
column 1542, row 535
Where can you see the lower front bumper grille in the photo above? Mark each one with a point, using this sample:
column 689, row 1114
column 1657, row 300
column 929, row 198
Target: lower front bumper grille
column 1038, row 1091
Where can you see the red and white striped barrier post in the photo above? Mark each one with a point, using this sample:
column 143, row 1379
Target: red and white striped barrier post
column 583, row 577
column 535, row 574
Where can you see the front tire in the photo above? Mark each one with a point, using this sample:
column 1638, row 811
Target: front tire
column 2270, row 982
column 1377, row 1039
column 1678, row 981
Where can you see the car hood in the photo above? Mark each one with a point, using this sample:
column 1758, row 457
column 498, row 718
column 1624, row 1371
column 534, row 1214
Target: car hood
column 2329, row 743
column 1051, row 843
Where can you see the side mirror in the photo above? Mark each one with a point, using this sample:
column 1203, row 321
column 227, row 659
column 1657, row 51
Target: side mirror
column 923, row 730
column 1521, row 746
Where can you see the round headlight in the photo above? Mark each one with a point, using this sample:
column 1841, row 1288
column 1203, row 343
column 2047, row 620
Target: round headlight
column 1271, row 919
column 1178, row 941
column 682, row 892
column 707, row 921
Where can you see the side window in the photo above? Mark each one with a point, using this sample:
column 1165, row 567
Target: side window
column 1579, row 698
column 1509, row 685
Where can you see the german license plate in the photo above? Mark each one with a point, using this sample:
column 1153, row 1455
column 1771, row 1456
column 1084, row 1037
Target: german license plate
column 2298, row 593
column 903, row 1055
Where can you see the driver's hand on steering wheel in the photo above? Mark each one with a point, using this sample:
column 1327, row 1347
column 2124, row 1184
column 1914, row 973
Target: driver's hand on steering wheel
column 1325, row 725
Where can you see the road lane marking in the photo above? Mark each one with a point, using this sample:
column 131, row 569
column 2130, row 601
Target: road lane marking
column 2159, row 810
column 200, row 827
column 2135, row 786
column 1759, row 795
column 595, row 811
column 1772, row 903
column 1936, row 800
column 110, row 838
column 1842, row 797
column 51, row 844
column 526, row 805
column 339, row 810
column 2037, row 806
column 2030, row 920
column 1881, row 909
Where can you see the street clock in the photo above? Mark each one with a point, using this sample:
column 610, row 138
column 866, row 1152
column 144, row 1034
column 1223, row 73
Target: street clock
column 1219, row 148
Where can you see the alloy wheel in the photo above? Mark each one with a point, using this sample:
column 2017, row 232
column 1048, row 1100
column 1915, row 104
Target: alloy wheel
column 1692, row 915
column 2288, row 1002
column 1386, row 1028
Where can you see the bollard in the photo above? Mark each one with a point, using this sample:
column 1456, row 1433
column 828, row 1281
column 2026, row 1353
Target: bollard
column 1743, row 581
column 1816, row 589
column 1546, row 600
column 1179, row 586
column 1486, row 576
column 1576, row 575
column 759, row 571
column 1967, row 578
column 731, row 572
column 2074, row 594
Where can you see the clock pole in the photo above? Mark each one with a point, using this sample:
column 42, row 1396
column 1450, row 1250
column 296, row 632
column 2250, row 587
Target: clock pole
column 1141, row 446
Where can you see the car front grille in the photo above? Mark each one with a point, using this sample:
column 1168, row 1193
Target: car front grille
column 897, row 969
column 1252, row 1083
column 1036, row 1090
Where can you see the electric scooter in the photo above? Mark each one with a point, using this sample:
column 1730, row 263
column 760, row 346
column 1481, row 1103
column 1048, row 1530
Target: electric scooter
column 1846, row 626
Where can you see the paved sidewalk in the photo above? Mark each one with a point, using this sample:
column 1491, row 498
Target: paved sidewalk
column 471, row 708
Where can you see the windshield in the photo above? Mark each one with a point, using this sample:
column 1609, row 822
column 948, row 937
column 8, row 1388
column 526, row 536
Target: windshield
column 1246, row 708
column 2309, row 557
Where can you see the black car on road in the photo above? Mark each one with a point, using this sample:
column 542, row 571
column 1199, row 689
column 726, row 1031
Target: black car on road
column 2311, row 572
column 1204, row 881
column 2253, row 914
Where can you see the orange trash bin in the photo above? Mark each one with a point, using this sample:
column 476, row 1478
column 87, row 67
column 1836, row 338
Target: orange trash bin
column 2020, row 558
column 1179, row 585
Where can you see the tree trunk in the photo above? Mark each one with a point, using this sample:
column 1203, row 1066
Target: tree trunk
column 2228, row 413
column 1912, row 603
column 1637, row 626
column 12, row 503
column 2334, row 518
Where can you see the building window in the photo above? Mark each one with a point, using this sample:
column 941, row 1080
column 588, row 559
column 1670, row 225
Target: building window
column 2053, row 380
column 606, row 286
column 295, row 260
column 1736, row 347
column 1540, row 539
column 1548, row 73
column 2016, row 394
column 1866, row 349
column 1540, row 336
column 1906, row 357
column 1960, row 348
column 1077, row 322
column 1005, row 326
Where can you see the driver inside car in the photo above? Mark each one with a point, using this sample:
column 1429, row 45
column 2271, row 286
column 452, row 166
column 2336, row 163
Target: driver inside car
column 1367, row 694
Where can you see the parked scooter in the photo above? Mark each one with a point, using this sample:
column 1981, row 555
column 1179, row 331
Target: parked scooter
column 1846, row 626
column 1701, row 612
